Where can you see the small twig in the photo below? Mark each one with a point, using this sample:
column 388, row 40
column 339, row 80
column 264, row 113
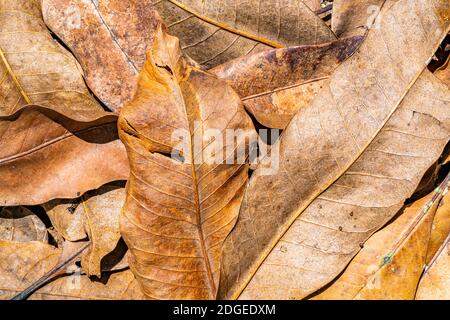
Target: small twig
column 57, row 271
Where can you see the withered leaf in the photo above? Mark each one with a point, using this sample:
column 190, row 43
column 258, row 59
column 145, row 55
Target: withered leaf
column 355, row 17
column 443, row 73
column 215, row 31
column 347, row 162
column 441, row 226
column 275, row 84
column 313, row 4
column 436, row 279
column 22, row 225
column 67, row 218
column 35, row 69
column 101, row 216
column 390, row 265
column 34, row 259
column 179, row 210
column 109, row 37
column 44, row 156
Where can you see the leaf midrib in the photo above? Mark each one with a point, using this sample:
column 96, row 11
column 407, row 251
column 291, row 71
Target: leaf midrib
column 212, row 285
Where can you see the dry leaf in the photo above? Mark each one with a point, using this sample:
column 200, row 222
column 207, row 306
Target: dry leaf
column 435, row 282
column 347, row 162
column 392, row 260
column 44, row 156
column 35, row 69
column 215, row 31
column 101, row 215
column 354, row 17
column 21, row 264
column 67, row 218
column 21, row 225
column 109, row 37
column 178, row 211
column 276, row 83
column 441, row 227
column 120, row 286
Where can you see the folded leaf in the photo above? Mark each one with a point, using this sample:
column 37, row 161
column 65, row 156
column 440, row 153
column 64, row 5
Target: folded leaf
column 21, row 225
column 392, row 260
column 436, row 279
column 179, row 209
column 35, row 69
column 275, row 84
column 67, row 218
column 44, row 156
column 347, row 162
column 101, row 215
column 109, row 37
column 354, row 17
column 215, row 31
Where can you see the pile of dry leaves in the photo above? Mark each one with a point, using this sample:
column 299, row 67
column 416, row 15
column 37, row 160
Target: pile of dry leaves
column 140, row 154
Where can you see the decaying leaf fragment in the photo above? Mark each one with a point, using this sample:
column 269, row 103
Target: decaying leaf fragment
column 275, row 84
column 391, row 263
column 66, row 216
column 32, row 260
column 35, row 69
column 347, row 162
column 101, row 219
column 44, row 156
column 109, row 38
column 21, row 225
column 178, row 210
column 215, row 31
column 436, row 279
column 443, row 73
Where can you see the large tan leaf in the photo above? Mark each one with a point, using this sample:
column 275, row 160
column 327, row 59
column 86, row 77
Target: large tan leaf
column 45, row 156
column 354, row 17
column 275, row 84
column 22, row 225
column 35, row 69
column 178, row 212
column 109, row 37
column 347, row 162
column 215, row 31
column 21, row 264
column 101, row 215
column 435, row 282
column 392, row 260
